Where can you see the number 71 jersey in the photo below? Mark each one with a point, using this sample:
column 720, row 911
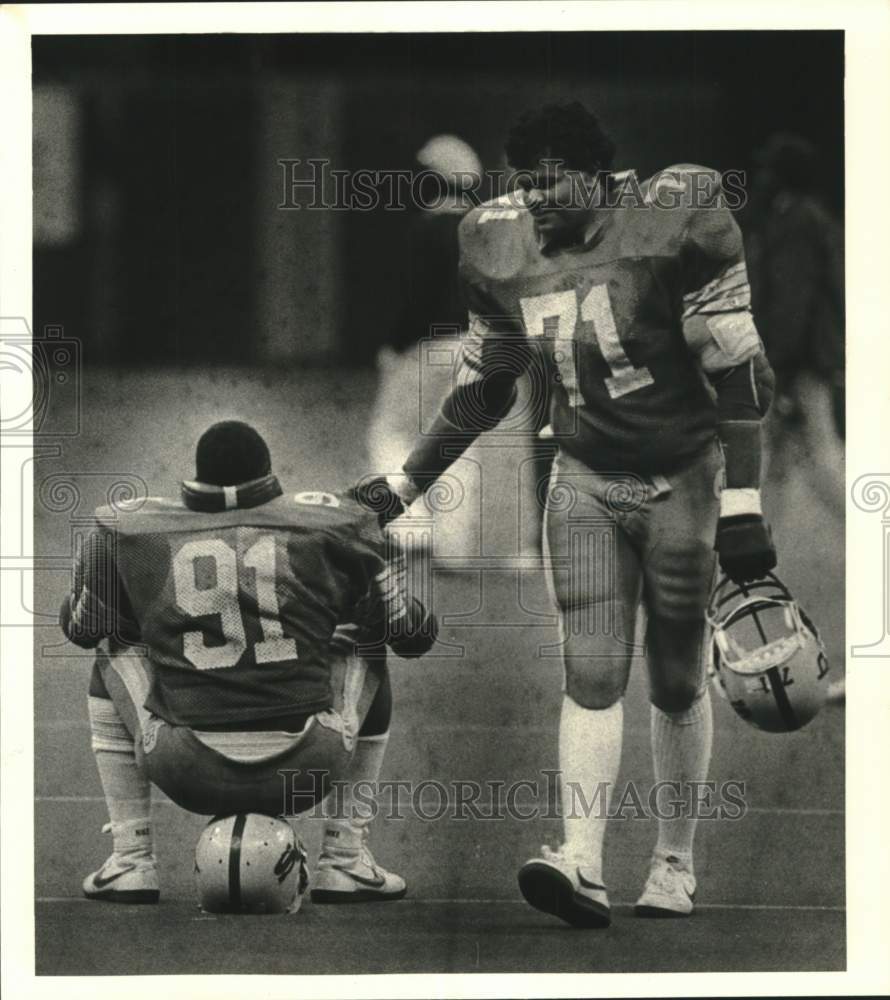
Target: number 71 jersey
column 619, row 330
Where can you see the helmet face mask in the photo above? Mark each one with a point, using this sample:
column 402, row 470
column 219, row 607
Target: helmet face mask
column 765, row 655
column 250, row 863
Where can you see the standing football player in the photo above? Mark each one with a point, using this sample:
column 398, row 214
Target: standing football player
column 633, row 298
column 236, row 591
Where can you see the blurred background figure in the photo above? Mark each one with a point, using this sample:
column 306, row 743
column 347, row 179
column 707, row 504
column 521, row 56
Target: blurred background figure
column 430, row 312
column 429, row 300
column 795, row 251
column 429, row 323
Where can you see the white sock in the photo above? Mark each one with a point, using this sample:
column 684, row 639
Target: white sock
column 124, row 781
column 589, row 757
column 681, row 752
column 345, row 829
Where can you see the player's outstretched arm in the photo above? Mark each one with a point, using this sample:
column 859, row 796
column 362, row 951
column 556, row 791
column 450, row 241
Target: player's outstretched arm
column 492, row 357
column 494, row 352
column 483, row 393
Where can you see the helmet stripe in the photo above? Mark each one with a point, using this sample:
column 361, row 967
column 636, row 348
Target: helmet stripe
column 782, row 702
column 235, row 862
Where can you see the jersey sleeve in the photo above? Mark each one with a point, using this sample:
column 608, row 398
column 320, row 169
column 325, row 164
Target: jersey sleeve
column 382, row 610
column 391, row 614
column 719, row 330
column 717, row 321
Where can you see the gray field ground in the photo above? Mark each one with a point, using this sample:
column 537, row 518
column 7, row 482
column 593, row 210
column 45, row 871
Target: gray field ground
column 771, row 884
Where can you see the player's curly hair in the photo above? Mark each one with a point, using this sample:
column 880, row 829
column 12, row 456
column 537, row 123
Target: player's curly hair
column 566, row 132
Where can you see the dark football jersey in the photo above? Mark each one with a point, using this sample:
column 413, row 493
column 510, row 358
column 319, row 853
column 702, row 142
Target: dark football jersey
column 625, row 324
column 237, row 608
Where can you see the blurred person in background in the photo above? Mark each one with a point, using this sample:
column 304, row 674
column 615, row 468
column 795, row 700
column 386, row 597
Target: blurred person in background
column 429, row 299
column 432, row 304
column 795, row 252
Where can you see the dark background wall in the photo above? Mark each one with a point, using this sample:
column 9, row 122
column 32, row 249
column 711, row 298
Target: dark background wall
column 159, row 233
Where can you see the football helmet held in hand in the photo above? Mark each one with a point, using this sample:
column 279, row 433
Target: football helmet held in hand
column 766, row 655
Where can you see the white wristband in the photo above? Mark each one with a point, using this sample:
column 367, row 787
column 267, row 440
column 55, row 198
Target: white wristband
column 402, row 486
column 740, row 501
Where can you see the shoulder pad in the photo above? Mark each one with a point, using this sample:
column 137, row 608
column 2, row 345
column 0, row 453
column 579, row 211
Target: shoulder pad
column 492, row 239
column 114, row 513
column 506, row 207
column 684, row 185
column 336, row 513
column 340, row 507
column 318, row 499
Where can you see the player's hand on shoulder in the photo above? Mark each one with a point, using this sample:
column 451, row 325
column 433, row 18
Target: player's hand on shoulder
column 386, row 496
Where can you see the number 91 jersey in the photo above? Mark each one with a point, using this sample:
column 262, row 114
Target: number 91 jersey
column 238, row 607
column 619, row 329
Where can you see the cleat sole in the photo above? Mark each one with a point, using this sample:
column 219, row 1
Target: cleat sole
column 551, row 892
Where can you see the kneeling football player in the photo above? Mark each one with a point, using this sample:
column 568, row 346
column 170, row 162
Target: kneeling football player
column 235, row 593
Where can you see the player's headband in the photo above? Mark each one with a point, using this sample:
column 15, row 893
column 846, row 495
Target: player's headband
column 210, row 499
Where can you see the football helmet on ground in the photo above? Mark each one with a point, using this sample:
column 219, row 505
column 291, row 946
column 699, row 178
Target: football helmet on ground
column 766, row 655
column 250, row 863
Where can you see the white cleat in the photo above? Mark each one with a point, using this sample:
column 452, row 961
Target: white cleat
column 558, row 884
column 669, row 890
column 124, row 879
column 354, row 880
